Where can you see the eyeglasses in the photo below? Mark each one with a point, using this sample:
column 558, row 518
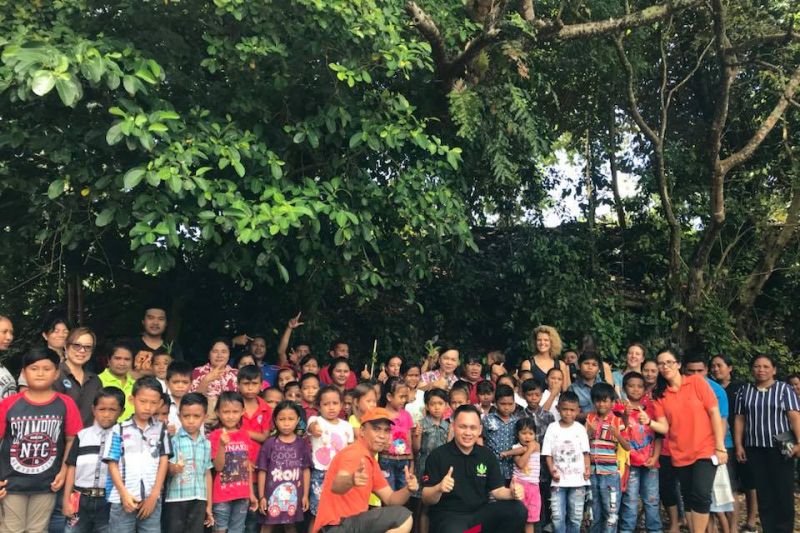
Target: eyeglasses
column 82, row 347
column 667, row 364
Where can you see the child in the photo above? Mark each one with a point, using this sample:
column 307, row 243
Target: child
column 137, row 455
column 527, row 463
column 458, row 397
column 285, row 375
column 37, row 429
column 163, row 412
column 187, row 505
column 605, row 430
column 85, row 488
column 273, row 396
column 309, row 364
column 554, row 384
column 430, row 433
column 411, row 373
column 245, row 360
column 179, row 379
column 589, row 366
column 364, row 399
column 514, row 384
column 161, row 362
column 645, row 449
column 532, row 390
column 399, row 455
column 498, row 429
column 348, row 403
column 309, row 387
column 257, row 415
column 232, row 492
column 291, row 392
column 284, row 472
column 566, row 449
column 329, row 434
column 485, row 392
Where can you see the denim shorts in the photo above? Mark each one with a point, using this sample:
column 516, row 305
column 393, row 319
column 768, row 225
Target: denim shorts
column 230, row 516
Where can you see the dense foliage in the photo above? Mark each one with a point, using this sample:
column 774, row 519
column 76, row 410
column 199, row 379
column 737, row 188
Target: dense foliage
column 243, row 160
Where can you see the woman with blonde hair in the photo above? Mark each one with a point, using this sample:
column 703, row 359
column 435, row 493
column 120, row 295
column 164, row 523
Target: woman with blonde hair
column 548, row 350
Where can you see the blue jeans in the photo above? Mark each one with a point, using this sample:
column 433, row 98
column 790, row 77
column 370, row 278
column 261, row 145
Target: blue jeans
column 566, row 508
column 605, row 503
column 121, row 522
column 393, row 471
column 230, row 516
column 642, row 483
column 92, row 516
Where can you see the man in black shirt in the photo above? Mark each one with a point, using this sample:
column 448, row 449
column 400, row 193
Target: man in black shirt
column 460, row 476
column 151, row 342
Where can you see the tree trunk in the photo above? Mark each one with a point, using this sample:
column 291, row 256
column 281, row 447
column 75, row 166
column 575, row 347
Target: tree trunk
column 591, row 203
column 612, row 162
column 774, row 245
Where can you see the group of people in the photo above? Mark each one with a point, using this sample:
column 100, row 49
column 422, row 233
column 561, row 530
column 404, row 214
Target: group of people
column 447, row 444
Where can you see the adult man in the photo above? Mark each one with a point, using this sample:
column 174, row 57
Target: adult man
column 151, row 342
column 353, row 475
column 339, row 348
column 118, row 374
column 460, row 476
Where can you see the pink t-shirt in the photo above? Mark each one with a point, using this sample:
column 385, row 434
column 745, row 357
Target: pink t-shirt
column 401, row 434
column 233, row 482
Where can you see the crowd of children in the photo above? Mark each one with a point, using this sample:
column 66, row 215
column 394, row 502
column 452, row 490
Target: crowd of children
column 158, row 457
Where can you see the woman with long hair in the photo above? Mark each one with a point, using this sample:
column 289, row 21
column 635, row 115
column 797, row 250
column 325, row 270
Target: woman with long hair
column 548, row 349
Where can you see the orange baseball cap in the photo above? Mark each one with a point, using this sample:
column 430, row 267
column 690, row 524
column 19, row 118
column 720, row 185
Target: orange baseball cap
column 377, row 414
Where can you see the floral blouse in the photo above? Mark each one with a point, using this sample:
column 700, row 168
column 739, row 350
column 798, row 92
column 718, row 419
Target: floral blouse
column 226, row 383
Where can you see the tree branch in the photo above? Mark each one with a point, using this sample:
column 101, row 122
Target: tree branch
column 633, row 105
column 428, row 29
column 550, row 30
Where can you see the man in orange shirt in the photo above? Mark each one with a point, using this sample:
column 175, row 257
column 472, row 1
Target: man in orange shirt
column 353, row 475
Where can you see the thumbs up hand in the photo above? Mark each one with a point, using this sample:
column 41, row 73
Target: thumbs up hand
column 177, row 467
column 360, row 478
column 224, row 438
column 365, row 374
column 447, row 483
column 411, row 480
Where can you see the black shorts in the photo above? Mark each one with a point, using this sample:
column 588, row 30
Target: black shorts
column 697, row 482
column 376, row 520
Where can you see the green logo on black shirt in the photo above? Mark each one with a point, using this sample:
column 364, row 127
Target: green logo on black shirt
column 481, row 470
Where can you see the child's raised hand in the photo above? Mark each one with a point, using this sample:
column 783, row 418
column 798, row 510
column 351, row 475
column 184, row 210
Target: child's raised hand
column 224, row 438
column 177, row 468
column 590, row 427
column 382, row 377
column 418, row 431
column 643, row 418
column 314, row 430
column 171, row 429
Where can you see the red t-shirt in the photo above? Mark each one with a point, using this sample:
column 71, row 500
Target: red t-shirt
column 686, row 409
column 333, row 507
column 33, row 438
column 325, row 377
column 259, row 422
column 233, row 481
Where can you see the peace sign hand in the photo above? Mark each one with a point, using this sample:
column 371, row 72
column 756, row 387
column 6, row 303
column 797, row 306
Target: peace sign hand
column 295, row 323
column 411, row 480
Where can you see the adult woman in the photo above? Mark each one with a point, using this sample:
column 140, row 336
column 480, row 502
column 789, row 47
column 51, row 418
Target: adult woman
column 548, row 348
column 309, row 364
column 75, row 380
column 650, row 373
column 686, row 410
column 216, row 376
column 55, row 332
column 8, row 385
column 340, row 373
column 634, row 359
column 721, row 368
column 764, row 410
column 444, row 376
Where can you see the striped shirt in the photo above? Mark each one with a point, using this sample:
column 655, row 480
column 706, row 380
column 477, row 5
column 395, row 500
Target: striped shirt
column 138, row 452
column 765, row 412
column 603, row 443
column 91, row 472
column 196, row 457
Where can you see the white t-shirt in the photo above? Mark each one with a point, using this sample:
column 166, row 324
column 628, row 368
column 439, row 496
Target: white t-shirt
column 554, row 407
column 416, row 408
column 334, row 438
column 567, row 446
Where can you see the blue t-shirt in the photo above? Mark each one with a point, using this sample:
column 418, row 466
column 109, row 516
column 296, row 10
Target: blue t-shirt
column 722, row 400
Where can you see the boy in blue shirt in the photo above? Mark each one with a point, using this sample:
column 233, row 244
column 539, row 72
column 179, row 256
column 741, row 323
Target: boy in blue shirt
column 498, row 429
column 137, row 454
column 188, row 500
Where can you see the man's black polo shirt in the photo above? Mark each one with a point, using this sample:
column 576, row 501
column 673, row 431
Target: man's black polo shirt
column 475, row 475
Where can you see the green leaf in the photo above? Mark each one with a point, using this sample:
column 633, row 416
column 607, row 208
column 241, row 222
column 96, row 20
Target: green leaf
column 239, row 168
column 356, row 139
column 276, row 170
column 158, row 127
column 105, row 217
column 69, row 91
column 283, row 272
column 42, row 82
column 132, row 178
column 130, row 84
column 114, row 134
column 55, row 189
